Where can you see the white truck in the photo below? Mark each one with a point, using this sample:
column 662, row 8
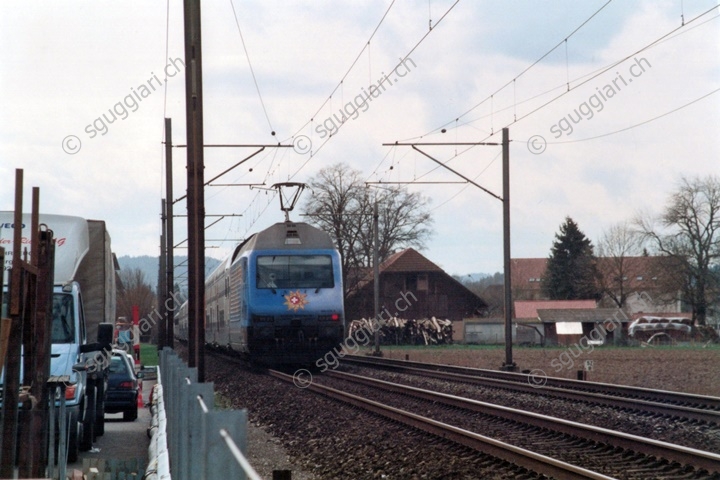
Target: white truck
column 84, row 303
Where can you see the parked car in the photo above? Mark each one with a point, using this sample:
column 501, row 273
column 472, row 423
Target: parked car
column 123, row 386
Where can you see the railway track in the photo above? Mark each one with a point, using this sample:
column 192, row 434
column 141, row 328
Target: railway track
column 700, row 408
column 548, row 446
column 502, row 452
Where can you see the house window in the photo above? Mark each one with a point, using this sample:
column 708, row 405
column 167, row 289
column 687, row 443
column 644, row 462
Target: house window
column 422, row 282
column 411, row 282
column 531, row 279
column 639, row 278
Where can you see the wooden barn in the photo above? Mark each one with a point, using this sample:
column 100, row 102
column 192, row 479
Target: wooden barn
column 413, row 287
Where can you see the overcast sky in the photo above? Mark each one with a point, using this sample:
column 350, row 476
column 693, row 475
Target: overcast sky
column 597, row 126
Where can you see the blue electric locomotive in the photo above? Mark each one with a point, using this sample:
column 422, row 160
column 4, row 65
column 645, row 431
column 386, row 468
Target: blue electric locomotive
column 278, row 298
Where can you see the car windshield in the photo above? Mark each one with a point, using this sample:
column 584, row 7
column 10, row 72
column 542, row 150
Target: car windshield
column 294, row 271
column 117, row 365
column 63, row 326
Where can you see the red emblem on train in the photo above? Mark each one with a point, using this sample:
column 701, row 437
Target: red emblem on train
column 296, row 300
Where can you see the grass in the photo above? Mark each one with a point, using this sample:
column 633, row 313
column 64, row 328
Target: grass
column 461, row 346
column 454, row 346
column 148, row 354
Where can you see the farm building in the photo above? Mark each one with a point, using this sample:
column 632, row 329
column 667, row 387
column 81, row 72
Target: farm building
column 413, row 287
column 569, row 326
column 534, row 329
column 638, row 280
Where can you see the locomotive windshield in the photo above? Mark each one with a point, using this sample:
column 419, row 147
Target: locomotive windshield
column 294, row 271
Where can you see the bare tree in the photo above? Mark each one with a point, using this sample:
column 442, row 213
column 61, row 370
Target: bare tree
column 688, row 233
column 616, row 263
column 135, row 290
column 341, row 205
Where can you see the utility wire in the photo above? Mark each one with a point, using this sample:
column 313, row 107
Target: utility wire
column 352, row 65
column 613, row 65
column 165, row 94
column 252, row 71
column 469, row 184
column 400, row 62
column 645, row 122
column 591, row 77
column 561, row 42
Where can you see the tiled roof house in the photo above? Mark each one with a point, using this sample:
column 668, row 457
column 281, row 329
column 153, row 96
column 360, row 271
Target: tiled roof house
column 413, row 287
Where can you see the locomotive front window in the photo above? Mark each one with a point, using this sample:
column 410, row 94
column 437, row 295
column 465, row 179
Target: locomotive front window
column 294, row 271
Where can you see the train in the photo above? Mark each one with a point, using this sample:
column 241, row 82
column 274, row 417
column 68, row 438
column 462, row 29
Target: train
column 277, row 299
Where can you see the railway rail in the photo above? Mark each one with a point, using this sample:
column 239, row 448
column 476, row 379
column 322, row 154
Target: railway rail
column 556, row 444
column 653, row 448
column 700, row 408
column 511, row 443
column 503, row 451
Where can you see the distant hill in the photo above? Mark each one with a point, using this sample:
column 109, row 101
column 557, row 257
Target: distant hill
column 150, row 266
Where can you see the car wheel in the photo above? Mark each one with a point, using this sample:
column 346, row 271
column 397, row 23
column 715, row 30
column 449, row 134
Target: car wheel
column 100, row 420
column 73, row 443
column 130, row 415
column 88, row 429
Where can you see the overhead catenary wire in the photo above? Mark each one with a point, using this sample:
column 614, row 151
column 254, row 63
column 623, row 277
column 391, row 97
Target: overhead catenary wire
column 271, row 170
column 644, row 122
column 523, row 72
column 366, row 46
column 252, row 71
column 165, row 94
column 585, row 80
column 400, row 62
column 588, row 77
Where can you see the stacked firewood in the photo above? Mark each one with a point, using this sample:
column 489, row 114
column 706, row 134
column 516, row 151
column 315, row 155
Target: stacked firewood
column 399, row 331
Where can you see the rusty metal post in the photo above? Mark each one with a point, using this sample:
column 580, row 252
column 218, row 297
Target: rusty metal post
column 27, row 455
column 29, row 294
column 34, row 462
column 12, row 366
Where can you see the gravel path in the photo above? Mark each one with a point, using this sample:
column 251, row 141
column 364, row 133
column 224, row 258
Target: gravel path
column 332, row 441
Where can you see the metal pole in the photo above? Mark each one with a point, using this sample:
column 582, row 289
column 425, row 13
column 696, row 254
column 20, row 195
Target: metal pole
column 44, row 292
column 376, row 275
column 33, row 455
column 195, row 193
column 161, row 286
column 170, row 262
column 509, row 365
column 12, row 365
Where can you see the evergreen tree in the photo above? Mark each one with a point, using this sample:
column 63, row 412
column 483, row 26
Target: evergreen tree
column 571, row 269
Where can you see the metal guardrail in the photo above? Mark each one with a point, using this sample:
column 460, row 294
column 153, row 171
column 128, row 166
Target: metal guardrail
column 202, row 442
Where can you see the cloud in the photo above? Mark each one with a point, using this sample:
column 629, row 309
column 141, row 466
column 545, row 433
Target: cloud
column 69, row 64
